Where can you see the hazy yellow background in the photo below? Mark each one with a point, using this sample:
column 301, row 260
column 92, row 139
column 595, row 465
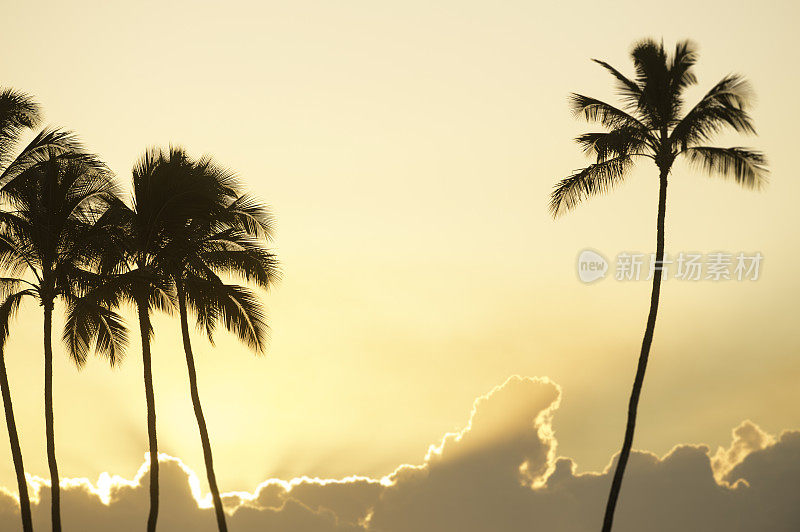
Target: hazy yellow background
column 408, row 149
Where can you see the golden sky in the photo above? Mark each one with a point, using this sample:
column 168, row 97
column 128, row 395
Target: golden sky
column 408, row 150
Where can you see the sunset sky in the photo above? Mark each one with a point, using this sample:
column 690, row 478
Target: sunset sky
column 407, row 151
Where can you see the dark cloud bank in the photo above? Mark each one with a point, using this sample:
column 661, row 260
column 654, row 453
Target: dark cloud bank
column 501, row 473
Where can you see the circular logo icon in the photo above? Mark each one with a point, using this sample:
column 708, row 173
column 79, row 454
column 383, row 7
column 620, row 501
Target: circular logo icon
column 591, row 266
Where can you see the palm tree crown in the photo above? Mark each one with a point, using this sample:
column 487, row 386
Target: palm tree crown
column 651, row 123
column 48, row 230
column 223, row 240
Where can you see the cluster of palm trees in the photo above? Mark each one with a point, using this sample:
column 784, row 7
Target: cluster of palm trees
column 183, row 239
column 189, row 230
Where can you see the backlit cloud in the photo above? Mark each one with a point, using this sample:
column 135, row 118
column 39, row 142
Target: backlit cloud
column 501, row 472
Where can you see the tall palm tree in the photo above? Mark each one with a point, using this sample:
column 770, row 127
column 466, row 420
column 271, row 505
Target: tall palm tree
column 51, row 201
column 123, row 274
column 165, row 196
column 162, row 197
column 651, row 123
column 18, row 113
column 226, row 237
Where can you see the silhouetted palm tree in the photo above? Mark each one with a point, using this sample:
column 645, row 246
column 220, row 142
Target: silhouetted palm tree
column 225, row 236
column 161, row 197
column 651, row 123
column 18, row 112
column 51, row 198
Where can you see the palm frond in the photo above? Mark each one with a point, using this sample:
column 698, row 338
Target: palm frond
column 745, row 166
column 47, row 143
column 233, row 252
column 10, row 285
column 594, row 110
column 617, row 142
column 628, row 90
column 112, row 336
column 252, row 216
column 595, row 179
column 724, row 106
column 18, row 111
column 91, row 325
column 258, row 265
column 200, row 300
column 681, row 67
column 237, row 307
column 14, row 257
column 162, row 298
column 8, row 309
column 223, row 179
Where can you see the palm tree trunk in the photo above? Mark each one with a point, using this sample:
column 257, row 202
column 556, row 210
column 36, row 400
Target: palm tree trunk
column 144, row 326
column 55, row 488
column 198, row 412
column 16, row 453
column 633, row 405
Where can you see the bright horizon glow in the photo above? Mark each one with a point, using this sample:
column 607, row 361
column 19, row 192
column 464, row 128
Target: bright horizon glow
column 106, row 482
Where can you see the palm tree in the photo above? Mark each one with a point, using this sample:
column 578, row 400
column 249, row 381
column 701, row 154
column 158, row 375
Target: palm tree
column 51, row 200
column 161, row 198
column 651, row 123
column 225, row 237
column 123, row 273
column 18, row 112
column 165, row 196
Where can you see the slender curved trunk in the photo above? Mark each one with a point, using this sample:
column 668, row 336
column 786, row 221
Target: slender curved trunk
column 55, row 488
column 633, row 405
column 16, row 453
column 150, row 400
column 198, row 412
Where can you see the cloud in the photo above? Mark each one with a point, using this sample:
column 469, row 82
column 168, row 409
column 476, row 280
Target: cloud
column 747, row 438
column 501, row 472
